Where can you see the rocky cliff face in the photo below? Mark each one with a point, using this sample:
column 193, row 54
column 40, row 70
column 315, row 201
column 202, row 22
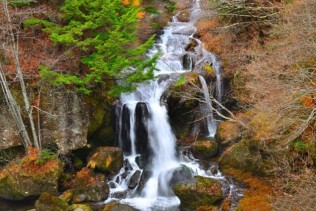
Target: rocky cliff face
column 63, row 120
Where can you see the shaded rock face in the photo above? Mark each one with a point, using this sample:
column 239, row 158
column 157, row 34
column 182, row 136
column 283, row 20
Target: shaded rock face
column 125, row 130
column 198, row 191
column 48, row 202
column 204, row 149
column 247, row 155
column 27, row 178
column 228, row 133
column 107, row 159
column 141, row 116
column 180, row 109
column 89, row 186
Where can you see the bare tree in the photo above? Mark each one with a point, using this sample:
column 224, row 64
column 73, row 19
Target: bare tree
column 215, row 106
column 14, row 108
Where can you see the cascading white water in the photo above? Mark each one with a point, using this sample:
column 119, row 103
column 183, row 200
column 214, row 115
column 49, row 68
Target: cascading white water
column 207, row 109
column 144, row 111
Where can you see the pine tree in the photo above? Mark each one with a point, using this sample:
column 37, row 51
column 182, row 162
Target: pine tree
column 105, row 33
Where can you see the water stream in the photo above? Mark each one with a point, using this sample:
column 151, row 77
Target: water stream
column 144, row 132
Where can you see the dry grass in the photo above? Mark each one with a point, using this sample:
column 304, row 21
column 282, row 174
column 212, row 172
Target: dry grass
column 256, row 196
column 273, row 76
column 299, row 193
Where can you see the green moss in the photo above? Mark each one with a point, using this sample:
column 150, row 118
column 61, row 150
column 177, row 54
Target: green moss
column 204, row 149
column 96, row 118
column 200, row 191
column 247, row 155
column 47, row 202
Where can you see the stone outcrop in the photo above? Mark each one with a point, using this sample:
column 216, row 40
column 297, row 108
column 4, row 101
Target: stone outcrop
column 89, row 186
column 107, row 159
column 29, row 177
column 247, row 155
column 204, row 149
column 228, row 133
column 198, row 191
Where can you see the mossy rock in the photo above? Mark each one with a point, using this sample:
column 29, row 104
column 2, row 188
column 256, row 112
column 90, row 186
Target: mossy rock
column 204, row 149
column 89, row 186
column 115, row 206
column 247, row 155
column 79, row 207
column 47, row 202
column 27, row 177
column 107, row 159
column 228, row 133
column 198, row 191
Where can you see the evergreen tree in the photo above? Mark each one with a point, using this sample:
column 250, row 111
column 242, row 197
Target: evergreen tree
column 105, row 33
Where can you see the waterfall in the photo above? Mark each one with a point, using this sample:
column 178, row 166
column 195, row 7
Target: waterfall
column 207, row 109
column 142, row 126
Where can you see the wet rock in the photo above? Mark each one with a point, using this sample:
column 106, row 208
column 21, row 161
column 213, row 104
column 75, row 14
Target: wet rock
column 181, row 173
column 89, row 186
column 214, row 169
column 28, row 177
column 172, row 177
column 193, row 43
column 142, row 161
column 125, row 130
column 107, row 159
column 247, row 155
column 120, row 194
column 141, row 129
column 112, row 185
column 115, row 206
column 198, row 191
column 79, row 207
column 125, row 174
column 127, row 165
column 187, row 62
column 48, row 202
column 143, row 179
column 228, row 133
column 134, row 180
column 204, row 149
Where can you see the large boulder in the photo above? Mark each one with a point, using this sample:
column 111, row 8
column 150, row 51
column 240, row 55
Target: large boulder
column 64, row 122
column 247, row 155
column 89, row 186
column 107, row 159
column 47, row 202
column 228, row 133
column 204, row 149
column 198, row 191
column 30, row 176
